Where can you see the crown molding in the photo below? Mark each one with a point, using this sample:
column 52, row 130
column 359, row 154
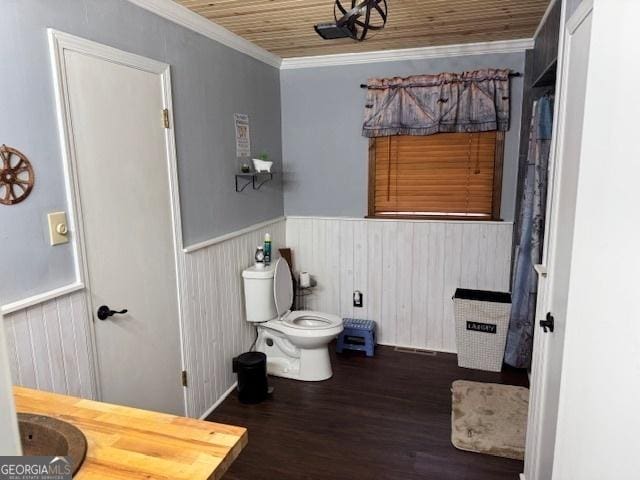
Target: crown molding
column 183, row 16
column 197, row 23
column 502, row 46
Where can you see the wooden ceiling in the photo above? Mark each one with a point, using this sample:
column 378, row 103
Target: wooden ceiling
column 285, row 27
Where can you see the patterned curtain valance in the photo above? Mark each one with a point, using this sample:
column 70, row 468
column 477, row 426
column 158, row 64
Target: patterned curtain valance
column 475, row 101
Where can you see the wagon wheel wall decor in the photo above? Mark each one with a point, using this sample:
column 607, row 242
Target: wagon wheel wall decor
column 16, row 176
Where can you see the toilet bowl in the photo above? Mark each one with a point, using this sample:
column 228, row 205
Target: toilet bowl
column 295, row 342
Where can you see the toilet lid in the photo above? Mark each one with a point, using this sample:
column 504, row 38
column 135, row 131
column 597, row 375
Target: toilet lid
column 282, row 287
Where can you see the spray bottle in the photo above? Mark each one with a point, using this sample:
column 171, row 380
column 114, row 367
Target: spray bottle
column 267, row 248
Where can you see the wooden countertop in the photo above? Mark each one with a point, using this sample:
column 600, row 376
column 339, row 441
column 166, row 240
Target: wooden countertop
column 128, row 443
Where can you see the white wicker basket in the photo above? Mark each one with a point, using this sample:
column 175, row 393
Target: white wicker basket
column 482, row 321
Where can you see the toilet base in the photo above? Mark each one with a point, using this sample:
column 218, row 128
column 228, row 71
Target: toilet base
column 286, row 360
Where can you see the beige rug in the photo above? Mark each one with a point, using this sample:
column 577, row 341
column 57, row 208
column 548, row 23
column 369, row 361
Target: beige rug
column 489, row 418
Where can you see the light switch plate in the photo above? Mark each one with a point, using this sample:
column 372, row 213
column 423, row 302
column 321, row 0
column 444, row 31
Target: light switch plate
column 58, row 229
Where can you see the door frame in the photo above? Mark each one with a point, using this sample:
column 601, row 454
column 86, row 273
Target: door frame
column 544, row 270
column 59, row 42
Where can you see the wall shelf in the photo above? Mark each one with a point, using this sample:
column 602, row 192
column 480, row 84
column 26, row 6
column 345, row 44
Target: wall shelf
column 255, row 179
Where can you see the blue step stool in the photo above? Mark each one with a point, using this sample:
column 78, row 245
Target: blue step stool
column 357, row 327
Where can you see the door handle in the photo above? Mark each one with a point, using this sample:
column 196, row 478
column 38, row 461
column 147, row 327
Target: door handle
column 105, row 312
column 548, row 324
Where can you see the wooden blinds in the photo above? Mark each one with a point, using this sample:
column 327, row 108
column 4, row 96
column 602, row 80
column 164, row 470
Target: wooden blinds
column 442, row 175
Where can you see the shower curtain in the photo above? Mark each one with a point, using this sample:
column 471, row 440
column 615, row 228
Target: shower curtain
column 530, row 237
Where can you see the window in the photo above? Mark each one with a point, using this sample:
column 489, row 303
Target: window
column 447, row 175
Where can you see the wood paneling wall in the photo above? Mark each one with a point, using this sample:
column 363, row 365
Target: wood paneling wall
column 50, row 346
column 215, row 329
column 407, row 271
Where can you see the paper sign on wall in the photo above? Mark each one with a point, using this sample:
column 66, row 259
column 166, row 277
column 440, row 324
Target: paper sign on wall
column 243, row 142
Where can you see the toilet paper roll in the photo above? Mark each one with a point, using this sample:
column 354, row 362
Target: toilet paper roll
column 305, row 280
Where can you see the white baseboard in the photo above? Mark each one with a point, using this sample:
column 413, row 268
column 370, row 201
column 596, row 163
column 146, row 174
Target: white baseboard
column 219, row 401
column 436, row 350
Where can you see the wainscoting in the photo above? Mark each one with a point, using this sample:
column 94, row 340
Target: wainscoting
column 215, row 329
column 407, row 271
column 50, row 346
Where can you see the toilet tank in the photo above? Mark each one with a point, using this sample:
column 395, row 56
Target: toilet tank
column 259, row 303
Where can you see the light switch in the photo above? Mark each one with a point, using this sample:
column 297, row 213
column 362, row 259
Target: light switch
column 58, row 229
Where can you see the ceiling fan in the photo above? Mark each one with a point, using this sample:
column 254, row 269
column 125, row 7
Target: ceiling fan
column 356, row 21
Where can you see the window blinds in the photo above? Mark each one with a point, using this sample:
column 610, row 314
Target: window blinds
column 443, row 175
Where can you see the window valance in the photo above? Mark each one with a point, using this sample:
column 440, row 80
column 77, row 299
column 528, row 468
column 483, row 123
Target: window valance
column 475, row 101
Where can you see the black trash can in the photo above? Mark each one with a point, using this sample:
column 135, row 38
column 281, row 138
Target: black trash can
column 251, row 368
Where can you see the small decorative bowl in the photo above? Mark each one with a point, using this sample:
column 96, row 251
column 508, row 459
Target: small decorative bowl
column 262, row 165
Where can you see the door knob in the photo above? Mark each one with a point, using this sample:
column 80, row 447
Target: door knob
column 105, row 312
column 548, row 324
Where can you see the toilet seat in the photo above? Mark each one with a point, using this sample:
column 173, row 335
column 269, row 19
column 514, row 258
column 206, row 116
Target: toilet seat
column 295, row 342
column 311, row 320
column 297, row 321
column 291, row 326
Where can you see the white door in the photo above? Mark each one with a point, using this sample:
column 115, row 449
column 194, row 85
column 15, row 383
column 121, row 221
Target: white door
column 122, row 177
column 548, row 347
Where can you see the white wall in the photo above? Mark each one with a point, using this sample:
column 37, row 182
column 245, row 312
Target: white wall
column 599, row 419
column 215, row 329
column 49, row 346
column 407, row 270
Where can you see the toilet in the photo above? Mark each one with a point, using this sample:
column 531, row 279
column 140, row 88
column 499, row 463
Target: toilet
column 295, row 342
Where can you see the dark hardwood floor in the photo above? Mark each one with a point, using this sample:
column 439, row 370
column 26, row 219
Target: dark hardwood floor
column 387, row 417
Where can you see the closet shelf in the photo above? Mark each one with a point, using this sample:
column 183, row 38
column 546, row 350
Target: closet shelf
column 255, row 179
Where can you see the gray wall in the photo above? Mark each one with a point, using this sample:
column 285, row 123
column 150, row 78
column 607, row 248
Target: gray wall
column 325, row 155
column 210, row 83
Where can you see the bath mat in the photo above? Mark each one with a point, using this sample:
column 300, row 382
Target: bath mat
column 489, row 418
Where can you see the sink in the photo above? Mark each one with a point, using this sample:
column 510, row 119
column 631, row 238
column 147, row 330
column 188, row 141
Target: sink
column 46, row 436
